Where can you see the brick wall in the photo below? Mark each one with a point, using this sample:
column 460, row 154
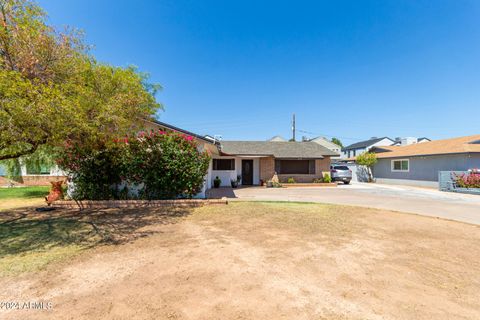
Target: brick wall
column 267, row 168
column 34, row 180
column 322, row 165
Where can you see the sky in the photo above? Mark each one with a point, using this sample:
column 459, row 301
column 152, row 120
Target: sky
column 348, row 69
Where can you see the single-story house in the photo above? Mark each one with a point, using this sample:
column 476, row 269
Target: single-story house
column 253, row 161
column 419, row 164
column 329, row 145
column 358, row 148
column 257, row 161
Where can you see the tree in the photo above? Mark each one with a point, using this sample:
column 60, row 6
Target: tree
column 337, row 142
column 367, row 159
column 52, row 90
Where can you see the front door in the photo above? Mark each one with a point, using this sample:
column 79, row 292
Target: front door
column 247, row 172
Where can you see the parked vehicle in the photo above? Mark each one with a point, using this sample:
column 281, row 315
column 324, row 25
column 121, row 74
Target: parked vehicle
column 341, row 173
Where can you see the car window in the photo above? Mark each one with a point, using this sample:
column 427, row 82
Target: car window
column 341, row 168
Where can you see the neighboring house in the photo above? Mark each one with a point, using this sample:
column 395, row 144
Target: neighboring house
column 329, row 145
column 358, row 148
column 277, row 138
column 409, row 140
column 257, row 161
column 419, row 163
column 33, row 175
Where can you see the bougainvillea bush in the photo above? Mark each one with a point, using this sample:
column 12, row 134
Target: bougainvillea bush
column 161, row 165
column 468, row 180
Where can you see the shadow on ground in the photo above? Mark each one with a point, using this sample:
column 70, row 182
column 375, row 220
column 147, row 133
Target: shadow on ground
column 25, row 230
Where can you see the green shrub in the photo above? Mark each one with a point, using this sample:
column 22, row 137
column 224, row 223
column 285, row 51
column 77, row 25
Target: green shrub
column 327, row 178
column 217, row 182
column 165, row 165
column 291, row 180
column 318, row 180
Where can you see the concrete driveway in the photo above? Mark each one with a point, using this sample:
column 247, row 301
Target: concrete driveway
column 429, row 202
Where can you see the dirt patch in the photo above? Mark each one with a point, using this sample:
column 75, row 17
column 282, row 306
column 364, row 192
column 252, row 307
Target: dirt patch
column 268, row 260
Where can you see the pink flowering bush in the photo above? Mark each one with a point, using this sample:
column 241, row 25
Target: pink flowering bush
column 165, row 165
column 468, row 180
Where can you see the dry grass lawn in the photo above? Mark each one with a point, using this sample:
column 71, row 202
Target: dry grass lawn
column 241, row 261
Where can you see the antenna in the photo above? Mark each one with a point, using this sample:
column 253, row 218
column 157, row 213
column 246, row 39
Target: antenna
column 293, row 127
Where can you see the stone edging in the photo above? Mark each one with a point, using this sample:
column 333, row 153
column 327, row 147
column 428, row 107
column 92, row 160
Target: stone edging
column 98, row 204
column 299, row 185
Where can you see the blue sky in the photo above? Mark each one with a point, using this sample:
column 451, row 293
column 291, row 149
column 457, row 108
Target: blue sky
column 351, row 69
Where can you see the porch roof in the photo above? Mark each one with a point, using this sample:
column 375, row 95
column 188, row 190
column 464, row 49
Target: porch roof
column 277, row 149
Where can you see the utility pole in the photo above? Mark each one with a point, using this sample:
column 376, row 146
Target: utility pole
column 293, row 127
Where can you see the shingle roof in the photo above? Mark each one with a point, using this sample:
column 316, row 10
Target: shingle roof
column 469, row 144
column 364, row 144
column 277, row 149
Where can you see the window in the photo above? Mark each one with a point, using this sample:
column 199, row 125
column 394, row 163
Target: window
column 223, row 164
column 38, row 168
column 295, row 166
column 402, row 165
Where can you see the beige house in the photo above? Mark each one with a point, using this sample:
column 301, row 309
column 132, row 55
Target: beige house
column 257, row 161
column 329, row 145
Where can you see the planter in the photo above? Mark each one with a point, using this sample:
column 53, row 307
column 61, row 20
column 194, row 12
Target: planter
column 98, row 204
column 468, row 190
column 310, row 185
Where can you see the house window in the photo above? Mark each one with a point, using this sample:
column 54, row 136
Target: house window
column 402, row 165
column 295, row 166
column 38, row 168
column 223, row 164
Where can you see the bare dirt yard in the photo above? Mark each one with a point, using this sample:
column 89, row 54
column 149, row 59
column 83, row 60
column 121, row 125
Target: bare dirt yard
column 241, row 261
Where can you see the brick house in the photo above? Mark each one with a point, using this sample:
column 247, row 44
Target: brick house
column 257, row 161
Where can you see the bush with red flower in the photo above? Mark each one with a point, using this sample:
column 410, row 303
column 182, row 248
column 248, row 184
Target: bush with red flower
column 160, row 165
column 468, row 180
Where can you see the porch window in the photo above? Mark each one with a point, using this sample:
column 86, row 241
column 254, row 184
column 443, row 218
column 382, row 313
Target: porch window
column 223, row 164
column 402, row 165
column 295, row 166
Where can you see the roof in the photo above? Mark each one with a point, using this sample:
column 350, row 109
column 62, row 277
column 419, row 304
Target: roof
column 173, row 128
column 277, row 149
column 366, row 143
column 325, row 142
column 468, row 144
column 277, row 139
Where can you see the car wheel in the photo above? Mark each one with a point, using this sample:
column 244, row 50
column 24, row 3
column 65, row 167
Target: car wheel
column 346, row 182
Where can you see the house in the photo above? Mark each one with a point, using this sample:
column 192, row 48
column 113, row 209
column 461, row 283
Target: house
column 277, row 138
column 409, row 140
column 253, row 161
column 358, row 148
column 419, row 163
column 257, row 161
column 329, row 145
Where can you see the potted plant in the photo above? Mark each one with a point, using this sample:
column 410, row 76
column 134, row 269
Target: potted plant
column 217, row 182
column 234, row 182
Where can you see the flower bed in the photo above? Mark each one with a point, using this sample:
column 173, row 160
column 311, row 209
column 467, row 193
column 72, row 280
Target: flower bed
column 99, row 204
column 468, row 182
column 315, row 184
